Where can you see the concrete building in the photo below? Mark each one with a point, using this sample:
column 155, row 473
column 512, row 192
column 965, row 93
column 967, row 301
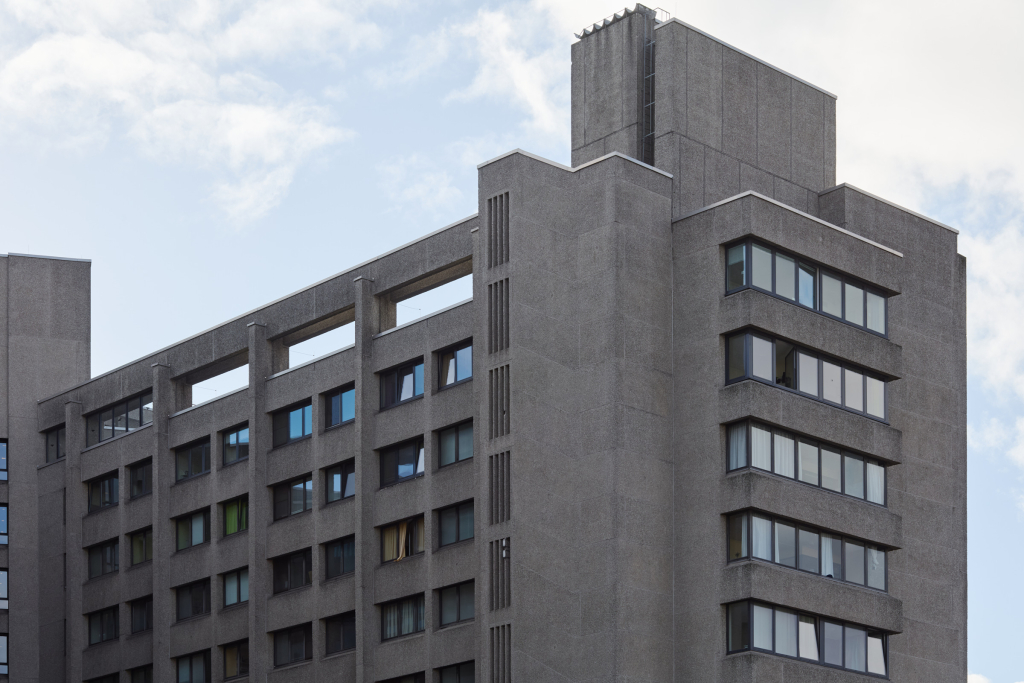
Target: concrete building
column 702, row 420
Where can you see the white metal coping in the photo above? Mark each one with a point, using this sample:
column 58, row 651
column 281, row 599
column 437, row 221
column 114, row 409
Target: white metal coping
column 796, row 211
column 52, row 258
column 570, row 169
column 745, row 54
column 892, row 204
column 266, row 305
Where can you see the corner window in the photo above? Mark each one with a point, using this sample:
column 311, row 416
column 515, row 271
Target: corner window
column 341, row 557
column 236, row 587
column 401, row 462
column 340, row 481
column 236, row 515
column 56, row 444
column 142, row 546
column 456, row 365
column 401, row 617
column 402, row 384
column 293, row 424
column 293, row 571
column 340, row 406
column 401, row 539
column 192, row 460
column 459, row 673
column 193, row 529
column 802, row 282
column 236, row 445
column 103, row 558
column 119, row 419
column 808, row 460
column 194, row 668
column 341, row 633
column 142, row 614
column 236, row 659
column 293, row 497
column 456, row 443
column 456, row 603
column 140, row 477
column 293, row 645
column 751, row 355
column 456, row 523
column 103, row 625
column 193, row 599
column 758, row 536
column 757, row 626
column 103, row 492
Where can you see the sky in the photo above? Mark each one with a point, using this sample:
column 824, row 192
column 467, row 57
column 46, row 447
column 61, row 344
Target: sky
column 212, row 155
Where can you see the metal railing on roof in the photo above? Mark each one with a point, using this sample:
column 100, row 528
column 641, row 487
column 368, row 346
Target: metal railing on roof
column 660, row 16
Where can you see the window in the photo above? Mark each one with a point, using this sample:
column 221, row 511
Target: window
column 3, row 460
column 103, row 625
column 293, row 571
column 3, row 525
column 341, row 633
column 403, row 384
column 401, row 462
column 236, row 659
column 401, row 617
column 109, row 678
column 808, row 460
column 340, row 480
column 401, row 539
column 3, row 589
column 293, row 424
column 142, row 546
column 193, row 599
column 142, row 614
column 341, row 557
column 103, row 558
column 804, row 283
column 293, row 645
column 340, row 406
column 411, row 678
column 143, row 674
column 119, row 419
column 752, row 356
column 103, row 492
column 236, row 515
column 141, row 478
column 456, row 366
column 456, row 603
column 456, row 443
column 3, row 653
column 456, row 523
column 236, row 587
column 193, row 529
column 804, row 636
column 459, row 673
column 236, row 445
column 194, row 668
column 758, row 536
column 293, row 497
column 56, row 444
column 192, row 460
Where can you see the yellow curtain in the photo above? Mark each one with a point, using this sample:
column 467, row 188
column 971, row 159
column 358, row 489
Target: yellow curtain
column 402, row 530
column 390, row 543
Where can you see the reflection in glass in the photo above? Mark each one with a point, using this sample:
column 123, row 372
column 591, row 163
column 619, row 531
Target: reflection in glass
column 875, row 482
column 876, row 313
column 876, row 568
column 761, row 273
column 737, row 446
column 808, row 550
column 831, row 295
column 831, row 382
column 739, row 626
column 856, row 649
column 762, row 627
column 808, row 463
column 784, row 454
column 785, row 277
column 785, row 633
column 854, row 553
column 831, row 470
column 831, row 556
column 761, row 538
column 854, row 389
column 735, row 352
column 762, row 352
column 854, row 471
column 737, row 536
column 761, row 447
column 808, row 638
column 876, row 397
column 736, row 267
column 806, row 285
column 808, row 366
column 785, row 544
column 785, row 364
column 833, row 642
column 854, row 304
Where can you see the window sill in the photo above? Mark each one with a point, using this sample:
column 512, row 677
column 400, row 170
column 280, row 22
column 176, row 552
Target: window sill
column 346, row 423
column 138, row 565
column 400, row 403
column 456, row 544
column 342, row 653
column 139, row 634
column 293, row 665
column 96, row 646
column 392, row 563
column 115, row 438
column 101, row 577
column 291, row 442
column 407, row 636
column 454, row 384
column 784, row 567
column 419, row 475
column 233, row 608
column 100, row 511
column 449, row 466
column 228, row 537
column 226, row 465
column 815, row 310
column 191, row 547
column 456, row 624
column 52, row 462
column 132, row 499
column 346, row 499
column 297, row 514
column 292, row 591
column 189, row 620
column 339, row 577
column 191, row 477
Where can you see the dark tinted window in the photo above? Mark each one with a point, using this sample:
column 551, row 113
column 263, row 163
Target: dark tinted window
column 103, row 625
column 456, row 443
column 400, row 462
column 456, row 523
column 236, row 445
column 456, row 365
column 340, row 480
column 142, row 614
column 341, row 633
column 403, row 384
column 103, row 558
column 141, row 478
column 293, row 645
column 193, row 599
column 340, row 406
column 293, row 497
column 56, row 448
column 119, row 419
column 192, row 460
column 103, row 492
column 293, row 424
column 341, row 557
column 293, row 571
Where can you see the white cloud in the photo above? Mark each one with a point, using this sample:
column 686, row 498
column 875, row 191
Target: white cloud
column 167, row 75
column 977, row 678
column 420, row 182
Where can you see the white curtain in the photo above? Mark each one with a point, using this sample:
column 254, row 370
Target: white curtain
column 784, row 455
column 876, row 656
column 763, row 627
column 808, row 638
column 785, row 633
column 738, row 446
column 856, row 649
column 761, row 537
column 876, row 483
column 761, row 447
column 826, row 556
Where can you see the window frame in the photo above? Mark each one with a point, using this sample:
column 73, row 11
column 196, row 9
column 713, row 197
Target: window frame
column 285, row 560
column 237, row 645
column 819, row 623
column 113, row 492
column 132, row 469
column 342, row 542
column 5, row 588
column 190, row 657
column 457, row 507
column 409, row 598
column 458, row 588
column 239, row 501
column 454, row 350
column 344, row 469
column 458, row 669
column 142, row 674
column 340, row 394
column 820, row 358
column 148, row 615
column 6, row 652
column 237, row 573
column 307, row 633
column 115, row 544
column 147, row 544
column 305, row 407
column 409, row 538
column 59, row 436
column 820, row 271
column 186, row 450
column 202, row 585
column 307, row 496
column 225, row 436
column 4, row 523
column 420, row 466
column 343, row 620
column 457, row 428
column 99, row 417
column 800, row 526
column 395, row 372
column 100, row 614
column 819, row 445
column 205, row 512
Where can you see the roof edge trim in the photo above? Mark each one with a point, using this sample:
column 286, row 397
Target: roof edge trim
column 570, row 169
column 52, row 258
column 892, row 204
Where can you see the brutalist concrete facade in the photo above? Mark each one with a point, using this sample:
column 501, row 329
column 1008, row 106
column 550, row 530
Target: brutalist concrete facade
column 599, row 324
